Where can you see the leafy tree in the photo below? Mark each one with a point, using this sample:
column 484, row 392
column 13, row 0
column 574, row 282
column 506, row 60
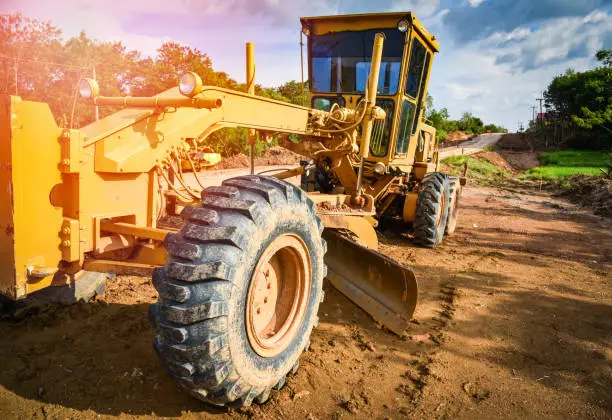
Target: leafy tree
column 28, row 48
column 495, row 128
column 470, row 124
column 429, row 101
column 605, row 56
column 117, row 73
column 583, row 99
column 173, row 59
column 440, row 119
column 36, row 65
column 293, row 92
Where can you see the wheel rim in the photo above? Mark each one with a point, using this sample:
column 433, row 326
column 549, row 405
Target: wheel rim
column 278, row 295
column 442, row 209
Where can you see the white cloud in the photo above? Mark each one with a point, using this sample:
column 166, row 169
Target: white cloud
column 475, row 3
column 421, row 8
column 499, row 78
column 556, row 40
column 516, row 35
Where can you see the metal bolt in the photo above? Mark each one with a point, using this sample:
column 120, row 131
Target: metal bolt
column 66, row 244
column 66, row 231
column 267, row 272
column 265, row 300
column 66, row 162
column 269, row 286
column 258, row 310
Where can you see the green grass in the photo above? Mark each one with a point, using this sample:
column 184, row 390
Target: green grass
column 565, row 163
column 575, row 158
column 480, row 170
column 556, row 172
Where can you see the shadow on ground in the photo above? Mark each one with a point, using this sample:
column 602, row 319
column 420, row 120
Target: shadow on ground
column 94, row 356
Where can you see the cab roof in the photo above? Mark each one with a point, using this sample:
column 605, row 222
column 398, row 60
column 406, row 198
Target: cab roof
column 319, row 25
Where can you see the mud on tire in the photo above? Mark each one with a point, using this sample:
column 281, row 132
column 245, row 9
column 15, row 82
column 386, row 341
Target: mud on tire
column 455, row 196
column 202, row 332
column 432, row 209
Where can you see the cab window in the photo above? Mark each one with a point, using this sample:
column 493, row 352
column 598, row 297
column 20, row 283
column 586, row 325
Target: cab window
column 381, row 131
column 418, row 54
column 323, row 103
column 341, row 61
column 406, row 119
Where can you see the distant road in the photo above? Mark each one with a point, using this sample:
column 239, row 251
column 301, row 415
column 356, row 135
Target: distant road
column 470, row 147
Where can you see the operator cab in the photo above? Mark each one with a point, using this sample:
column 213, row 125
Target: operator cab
column 339, row 58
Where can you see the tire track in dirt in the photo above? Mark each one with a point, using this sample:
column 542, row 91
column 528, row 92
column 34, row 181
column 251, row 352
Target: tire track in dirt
column 419, row 373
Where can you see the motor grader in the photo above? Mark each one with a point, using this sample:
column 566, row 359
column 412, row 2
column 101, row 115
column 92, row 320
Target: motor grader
column 240, row 280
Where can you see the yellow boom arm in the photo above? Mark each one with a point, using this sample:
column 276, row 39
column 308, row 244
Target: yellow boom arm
column 98, row 189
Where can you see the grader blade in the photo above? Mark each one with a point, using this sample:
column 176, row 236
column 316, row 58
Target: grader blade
column 380, row 286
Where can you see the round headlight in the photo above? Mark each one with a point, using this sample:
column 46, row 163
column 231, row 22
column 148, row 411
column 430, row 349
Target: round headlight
column 88, row 88
column 190, row 84
column 306, row 30
column 403, row 25
column 380, row 168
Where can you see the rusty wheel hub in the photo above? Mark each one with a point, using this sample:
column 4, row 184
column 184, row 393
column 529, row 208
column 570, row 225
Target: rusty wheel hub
column 278, row 295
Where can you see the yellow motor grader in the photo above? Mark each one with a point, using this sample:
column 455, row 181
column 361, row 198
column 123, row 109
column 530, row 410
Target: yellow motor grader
column 240, row 279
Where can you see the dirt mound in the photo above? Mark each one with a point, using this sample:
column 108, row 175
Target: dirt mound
column 457, row 136
column 454, row 138
column 591, row 191
column 235, row 161
column 277, row 156
column 515, row 141
column 496, row 159
column 520, row 161
column 271, row 157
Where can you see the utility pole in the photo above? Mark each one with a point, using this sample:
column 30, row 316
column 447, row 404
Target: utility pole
column 16, row 78
column 533, row 107
column 96, row 109
column 541, row 100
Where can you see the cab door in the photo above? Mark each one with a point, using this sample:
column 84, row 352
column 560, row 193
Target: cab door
column 413, row 97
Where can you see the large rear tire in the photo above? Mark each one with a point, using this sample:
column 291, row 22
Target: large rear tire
column 240, row 290
column 432, row 209
column 455, row 194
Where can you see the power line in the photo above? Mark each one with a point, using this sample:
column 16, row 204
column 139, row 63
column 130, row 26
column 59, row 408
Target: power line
column 72, row 66
column 28, row 60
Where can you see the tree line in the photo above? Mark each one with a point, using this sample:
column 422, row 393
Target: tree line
column 579, row 107
column 468, row 123
column 37, row 64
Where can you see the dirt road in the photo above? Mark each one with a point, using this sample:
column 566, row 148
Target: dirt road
column 470, row 147
column 514, row 320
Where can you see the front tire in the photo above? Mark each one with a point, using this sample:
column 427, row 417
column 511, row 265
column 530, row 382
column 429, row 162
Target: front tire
column 240, row 290
column 432, row 209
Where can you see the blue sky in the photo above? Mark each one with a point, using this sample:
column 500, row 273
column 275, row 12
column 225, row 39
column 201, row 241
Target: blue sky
column 496, row 55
